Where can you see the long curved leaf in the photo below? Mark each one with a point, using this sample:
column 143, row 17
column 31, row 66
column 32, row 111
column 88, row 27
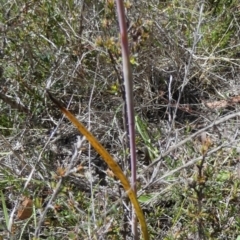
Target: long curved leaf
column 110, row 162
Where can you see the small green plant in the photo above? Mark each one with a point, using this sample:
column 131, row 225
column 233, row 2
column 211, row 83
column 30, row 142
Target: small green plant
column 5, row 212
column 143, row 131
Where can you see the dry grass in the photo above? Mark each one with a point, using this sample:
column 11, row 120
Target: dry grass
column 184, row 58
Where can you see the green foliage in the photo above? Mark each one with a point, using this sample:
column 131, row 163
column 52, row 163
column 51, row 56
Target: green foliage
column 5, row 125
column 143, row 131
column 219, row 33
column 5, row 212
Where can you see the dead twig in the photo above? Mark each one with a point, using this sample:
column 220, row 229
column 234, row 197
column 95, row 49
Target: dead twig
column 221, row 120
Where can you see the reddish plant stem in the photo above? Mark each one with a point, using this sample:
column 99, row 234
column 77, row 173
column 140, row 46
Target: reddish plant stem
column 127, row 74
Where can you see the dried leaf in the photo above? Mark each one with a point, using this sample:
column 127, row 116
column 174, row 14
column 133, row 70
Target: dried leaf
column 26, row 209
column 113, row 165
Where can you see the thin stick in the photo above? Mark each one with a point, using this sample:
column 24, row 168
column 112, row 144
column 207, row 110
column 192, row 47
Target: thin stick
column 221, row 120
column 188, row 164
